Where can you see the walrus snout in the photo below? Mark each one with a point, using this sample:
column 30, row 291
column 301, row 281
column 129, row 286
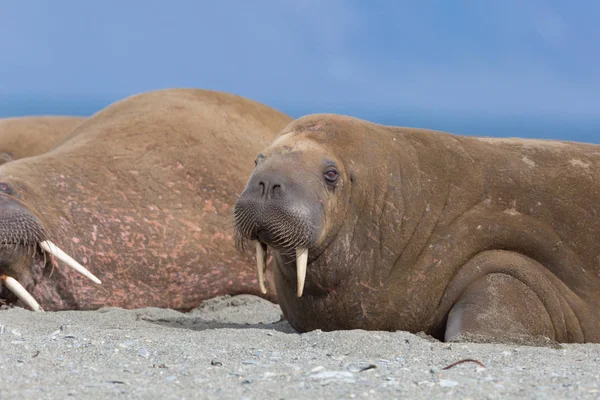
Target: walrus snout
column 271, row 186
column 275, row 210
column 24, row 247
column 18, row 226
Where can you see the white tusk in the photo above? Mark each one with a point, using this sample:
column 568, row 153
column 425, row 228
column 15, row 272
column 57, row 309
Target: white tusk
column 14, row 286
column 261, row 264
column 64, row 257
column 301, row 261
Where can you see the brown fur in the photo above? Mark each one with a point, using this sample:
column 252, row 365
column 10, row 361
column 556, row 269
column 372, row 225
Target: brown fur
column 141, row 195
column 460, row 237
column 29, row 136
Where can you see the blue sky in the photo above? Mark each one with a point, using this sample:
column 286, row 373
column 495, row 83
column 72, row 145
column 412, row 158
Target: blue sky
column 503, row 68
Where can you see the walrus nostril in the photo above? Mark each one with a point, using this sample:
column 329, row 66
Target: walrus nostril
column 270, row 189
column 275, row 188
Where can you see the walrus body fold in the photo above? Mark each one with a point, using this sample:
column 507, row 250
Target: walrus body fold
column 464, row 238
column 33, row 135
column 140, row 194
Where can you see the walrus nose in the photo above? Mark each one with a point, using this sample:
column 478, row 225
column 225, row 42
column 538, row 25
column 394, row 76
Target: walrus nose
column 271, row 187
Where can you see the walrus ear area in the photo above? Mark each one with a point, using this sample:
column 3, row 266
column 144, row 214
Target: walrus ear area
column 258, row 158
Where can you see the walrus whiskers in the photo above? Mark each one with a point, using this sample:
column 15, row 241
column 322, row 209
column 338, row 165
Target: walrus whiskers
column 64, row 257
column 14, row 286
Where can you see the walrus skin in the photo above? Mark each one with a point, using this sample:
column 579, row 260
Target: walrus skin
column 33, row 135
column 463, row 238
column 142, row 196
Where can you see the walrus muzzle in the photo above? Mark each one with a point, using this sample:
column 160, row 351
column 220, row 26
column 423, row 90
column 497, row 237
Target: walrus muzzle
column 276, row 211
column 24, row 240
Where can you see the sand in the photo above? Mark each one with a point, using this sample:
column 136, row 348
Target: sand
column 242, row 348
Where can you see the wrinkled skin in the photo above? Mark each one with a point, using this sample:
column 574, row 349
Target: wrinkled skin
column 463, row 238
column 141, row 195
column 30, row 136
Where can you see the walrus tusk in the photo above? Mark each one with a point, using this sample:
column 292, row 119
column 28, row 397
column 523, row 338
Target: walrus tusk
column 64, row 257
column 301, row 261
column 14, row 286
column 261, row 264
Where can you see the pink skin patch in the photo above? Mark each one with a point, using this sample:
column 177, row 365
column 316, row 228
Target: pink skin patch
column 161, row 246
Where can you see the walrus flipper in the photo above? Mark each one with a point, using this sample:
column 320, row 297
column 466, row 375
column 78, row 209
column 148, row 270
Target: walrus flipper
column 492, row 307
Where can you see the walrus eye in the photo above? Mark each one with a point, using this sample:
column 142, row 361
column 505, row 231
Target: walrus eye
column 6, row 188
column 331, row 176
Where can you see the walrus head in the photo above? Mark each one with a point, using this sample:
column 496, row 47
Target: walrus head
column 296, row 199
column 26, row 248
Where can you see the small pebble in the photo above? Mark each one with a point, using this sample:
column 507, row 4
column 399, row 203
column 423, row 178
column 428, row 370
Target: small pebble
column 127, row 343
column 448, row 383
column 53, row 334
column 334, row 375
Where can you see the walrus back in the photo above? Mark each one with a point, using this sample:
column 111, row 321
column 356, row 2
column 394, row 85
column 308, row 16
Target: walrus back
column 143, row 110
column 554, row 184
column 29, row 136
column 215, row 135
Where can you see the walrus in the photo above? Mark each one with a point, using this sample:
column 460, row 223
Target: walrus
column 139, row 200
column 33, row 135
column 460, row 237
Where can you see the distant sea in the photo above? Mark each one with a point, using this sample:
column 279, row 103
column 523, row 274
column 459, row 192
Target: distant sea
column 562, row 127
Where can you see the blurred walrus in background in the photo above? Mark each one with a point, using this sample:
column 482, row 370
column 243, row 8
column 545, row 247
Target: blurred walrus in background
column 141, row 193
column 32, row 135
column 387, row 228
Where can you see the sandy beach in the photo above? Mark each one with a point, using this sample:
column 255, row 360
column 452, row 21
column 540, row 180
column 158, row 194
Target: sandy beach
column 242, row 348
